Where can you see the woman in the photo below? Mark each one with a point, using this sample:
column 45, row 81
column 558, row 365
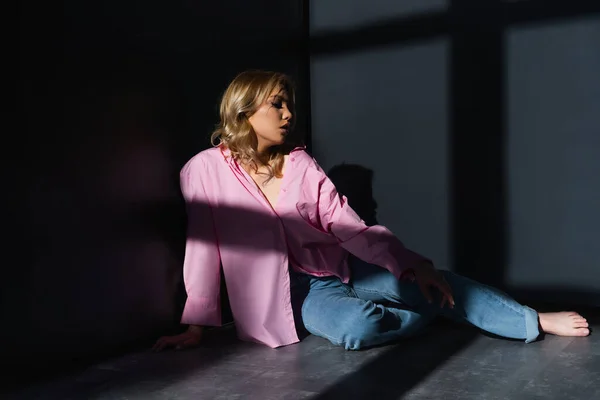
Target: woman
column 275, row 222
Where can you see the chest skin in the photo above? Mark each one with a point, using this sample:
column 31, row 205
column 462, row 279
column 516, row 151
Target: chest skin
column 271, row 189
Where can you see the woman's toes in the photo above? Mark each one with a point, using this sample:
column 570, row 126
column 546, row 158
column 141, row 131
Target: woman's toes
column 582, row 332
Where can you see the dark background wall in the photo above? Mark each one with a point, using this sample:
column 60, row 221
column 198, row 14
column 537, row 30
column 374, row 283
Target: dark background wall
column 481, row 122
column 116, row 96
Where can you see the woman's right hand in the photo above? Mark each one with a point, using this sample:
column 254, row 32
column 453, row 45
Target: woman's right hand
column 187, row 339
column 427, row 275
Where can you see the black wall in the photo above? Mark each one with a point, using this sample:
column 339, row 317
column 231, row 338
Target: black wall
column 115, row 97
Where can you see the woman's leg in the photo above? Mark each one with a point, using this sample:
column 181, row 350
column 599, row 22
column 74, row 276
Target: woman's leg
column 482, row 306
column 333, row 311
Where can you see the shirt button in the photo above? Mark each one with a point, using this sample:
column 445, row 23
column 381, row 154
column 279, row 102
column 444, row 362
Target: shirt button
column 292, row 159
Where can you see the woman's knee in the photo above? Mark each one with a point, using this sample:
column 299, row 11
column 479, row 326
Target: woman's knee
column 367, row 327
column 355, row 323
column 353, row 326
column 378, row 325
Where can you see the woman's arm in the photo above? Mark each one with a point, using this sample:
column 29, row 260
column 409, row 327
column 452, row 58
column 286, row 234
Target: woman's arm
column 375, row 244
column 201, row 267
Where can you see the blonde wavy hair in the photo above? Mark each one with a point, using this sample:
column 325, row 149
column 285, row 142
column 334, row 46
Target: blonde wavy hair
column 242, row 98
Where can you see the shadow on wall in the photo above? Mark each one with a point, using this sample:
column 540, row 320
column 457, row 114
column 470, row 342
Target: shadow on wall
column 479, row 84
column 356, row 183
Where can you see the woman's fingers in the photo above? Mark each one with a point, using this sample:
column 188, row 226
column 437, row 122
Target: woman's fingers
column 426, row 277
column 443, row 286
column 424, row 286
column 440, row 284
column 161, row 343
column 167, row 341
column 179, row 342
column 191, row 342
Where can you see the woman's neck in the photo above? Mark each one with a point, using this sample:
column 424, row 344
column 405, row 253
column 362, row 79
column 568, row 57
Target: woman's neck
column 264, row 156
column 262, row 153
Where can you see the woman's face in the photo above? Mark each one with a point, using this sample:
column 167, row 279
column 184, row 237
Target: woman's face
column 272, row 120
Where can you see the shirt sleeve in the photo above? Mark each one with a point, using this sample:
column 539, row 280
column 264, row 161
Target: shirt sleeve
column 373, row 244
column 201, row 266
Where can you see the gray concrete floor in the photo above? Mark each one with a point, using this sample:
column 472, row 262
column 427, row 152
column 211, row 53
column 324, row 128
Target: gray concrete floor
column 449, row 362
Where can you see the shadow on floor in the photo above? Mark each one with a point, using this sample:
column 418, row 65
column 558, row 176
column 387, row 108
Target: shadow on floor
column 135, row 369
column 404, row 365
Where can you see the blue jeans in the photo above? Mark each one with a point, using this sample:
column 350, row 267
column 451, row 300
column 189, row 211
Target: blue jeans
column 375, row 308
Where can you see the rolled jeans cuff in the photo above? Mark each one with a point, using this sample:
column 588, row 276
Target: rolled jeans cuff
column 532, row 326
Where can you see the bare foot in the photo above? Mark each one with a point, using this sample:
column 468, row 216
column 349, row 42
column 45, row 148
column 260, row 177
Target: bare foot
column 566, row 323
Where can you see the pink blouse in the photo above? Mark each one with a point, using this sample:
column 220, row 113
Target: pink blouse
column 231, row 223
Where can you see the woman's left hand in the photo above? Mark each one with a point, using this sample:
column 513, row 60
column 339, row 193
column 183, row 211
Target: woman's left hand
column 426, row 276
